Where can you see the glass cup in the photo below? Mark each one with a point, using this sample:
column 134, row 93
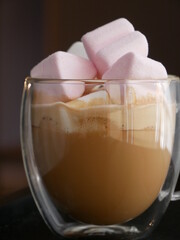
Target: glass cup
column 102, row 158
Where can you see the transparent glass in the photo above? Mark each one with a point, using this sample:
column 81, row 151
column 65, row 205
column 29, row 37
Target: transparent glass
column 105, row 164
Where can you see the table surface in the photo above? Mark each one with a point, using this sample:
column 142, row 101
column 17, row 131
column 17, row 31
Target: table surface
column 20, row 219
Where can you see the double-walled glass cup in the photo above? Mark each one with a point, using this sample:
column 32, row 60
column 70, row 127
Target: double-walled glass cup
column 102, row 158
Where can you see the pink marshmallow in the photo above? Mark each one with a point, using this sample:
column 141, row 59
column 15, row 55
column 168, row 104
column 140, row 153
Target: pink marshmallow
column 61, row 91
column 62, row 65
column 134, row 66
column 99, row 38
column 133, row 42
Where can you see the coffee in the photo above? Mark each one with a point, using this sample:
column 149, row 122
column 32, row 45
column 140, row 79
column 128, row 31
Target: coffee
column 102, row 164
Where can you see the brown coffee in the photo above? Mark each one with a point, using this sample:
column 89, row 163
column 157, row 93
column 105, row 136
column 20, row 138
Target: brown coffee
column 99, row 165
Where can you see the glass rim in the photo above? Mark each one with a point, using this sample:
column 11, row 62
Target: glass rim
column 101, row 81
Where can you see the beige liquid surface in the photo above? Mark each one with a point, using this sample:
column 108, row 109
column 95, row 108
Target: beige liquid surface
column 103, row 174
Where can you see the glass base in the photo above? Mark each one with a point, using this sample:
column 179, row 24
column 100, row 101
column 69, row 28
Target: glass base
column 115, row 231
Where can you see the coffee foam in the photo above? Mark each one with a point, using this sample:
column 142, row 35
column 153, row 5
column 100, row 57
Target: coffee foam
column 95, row 112
column 131, row 92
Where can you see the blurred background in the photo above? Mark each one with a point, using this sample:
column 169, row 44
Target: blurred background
column 31, row 30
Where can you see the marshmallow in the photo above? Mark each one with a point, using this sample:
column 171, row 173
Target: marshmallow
column 61, row 91
column 134, row 66
column 62, row 65
column 133, row 42
column 77, row 49
column 99, row 38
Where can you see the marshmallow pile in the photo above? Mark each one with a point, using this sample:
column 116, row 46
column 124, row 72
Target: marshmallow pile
column 113, row 51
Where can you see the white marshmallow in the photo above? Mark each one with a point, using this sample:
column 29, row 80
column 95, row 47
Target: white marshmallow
column 62, row 65
column 78, row 49
column 133, row 42
column 99, row 38
column 90, row 100
column 136, row 67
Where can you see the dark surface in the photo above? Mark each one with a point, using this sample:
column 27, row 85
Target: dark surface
column 20, row 219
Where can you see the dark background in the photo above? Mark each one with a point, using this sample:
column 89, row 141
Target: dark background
column 31, row 30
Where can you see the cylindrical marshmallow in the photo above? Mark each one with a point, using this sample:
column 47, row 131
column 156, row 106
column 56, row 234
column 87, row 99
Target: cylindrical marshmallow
column 136, row 67
column 62, row 65
column 57, row 91
column 101, row 37
column 133, row 42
